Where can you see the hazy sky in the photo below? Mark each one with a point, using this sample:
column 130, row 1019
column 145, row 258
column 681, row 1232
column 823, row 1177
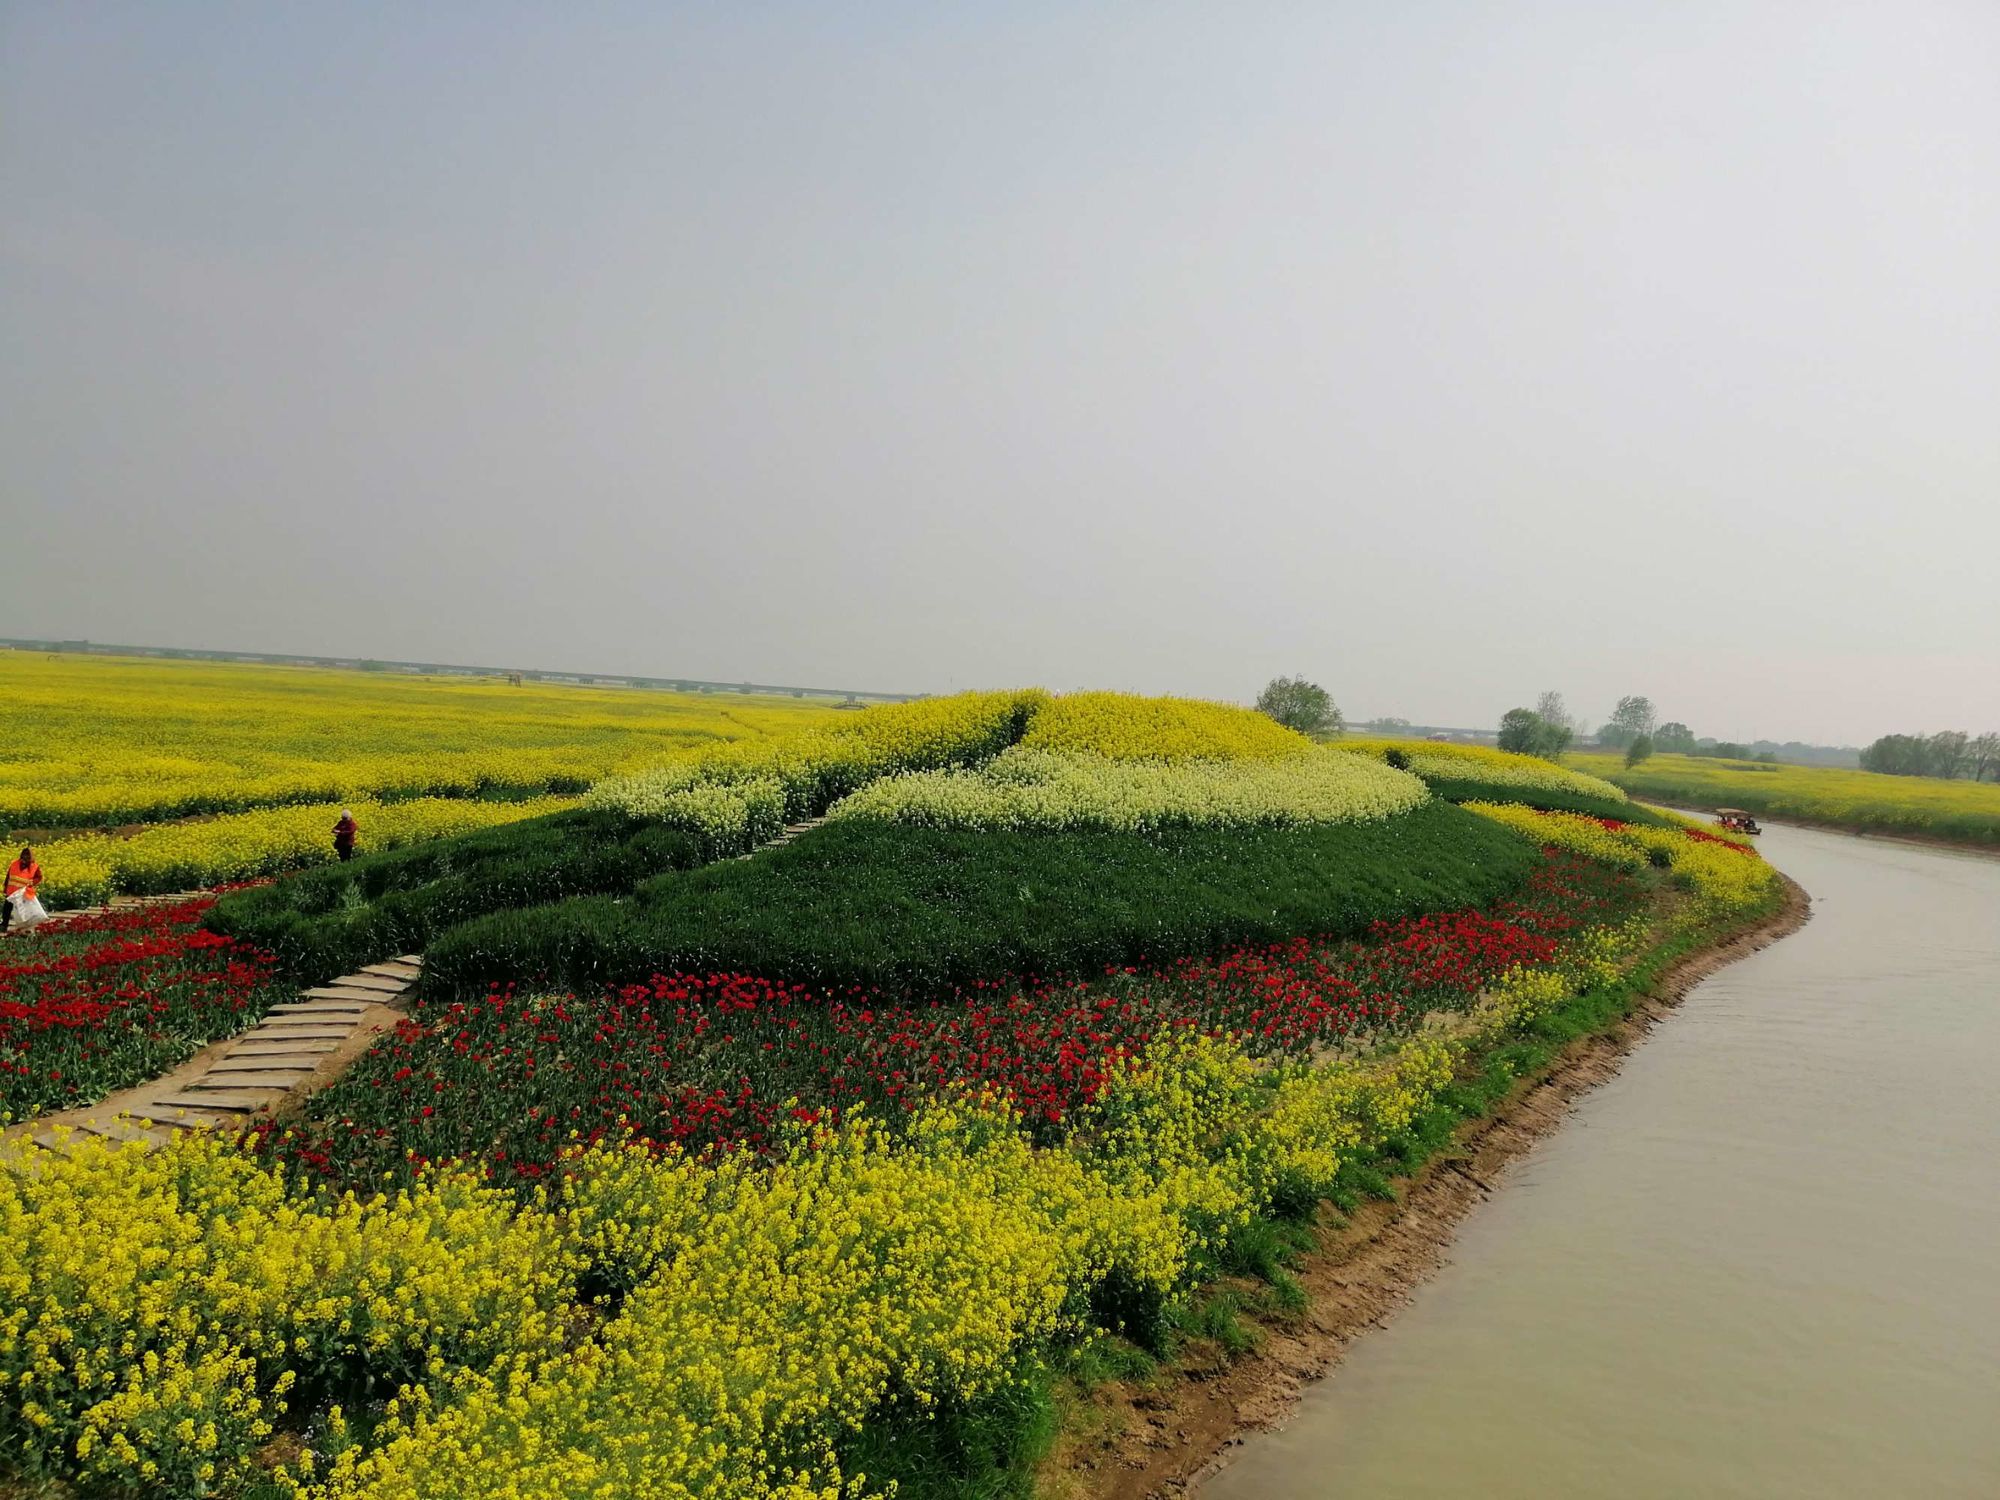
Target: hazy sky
column 1442, row 352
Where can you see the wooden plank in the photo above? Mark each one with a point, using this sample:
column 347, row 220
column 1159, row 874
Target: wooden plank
column 280, row 1063
column 281, row 1047
column 403, row 972
column 175, row 1117
column 373, row 982
column 125, row 1130
column 264, row 1078
column 299, row 1034
column 320, row 1008
column 343, row 1021
column 52, row 1140
column 234, row 1101
column 336, row 992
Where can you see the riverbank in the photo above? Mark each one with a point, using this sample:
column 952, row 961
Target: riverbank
column 905, row 1186
column 1953, row 814
column 1878, row 835
column 1162, row 1436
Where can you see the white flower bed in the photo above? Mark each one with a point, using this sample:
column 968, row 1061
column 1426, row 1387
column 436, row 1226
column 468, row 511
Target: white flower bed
column 1042, row 789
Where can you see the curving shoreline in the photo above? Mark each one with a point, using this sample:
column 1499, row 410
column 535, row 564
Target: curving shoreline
column 1167, row 1439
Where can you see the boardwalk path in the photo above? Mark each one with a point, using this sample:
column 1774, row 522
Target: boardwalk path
column 297, row 1049
column 299, row 1046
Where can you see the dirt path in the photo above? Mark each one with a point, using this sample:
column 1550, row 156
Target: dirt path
column 1165, row 1441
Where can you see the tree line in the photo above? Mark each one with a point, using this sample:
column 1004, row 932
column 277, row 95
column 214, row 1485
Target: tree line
column 1548, row 729
column 1947, row 755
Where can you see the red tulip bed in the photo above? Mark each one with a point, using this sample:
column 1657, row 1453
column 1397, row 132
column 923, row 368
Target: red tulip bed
column 95, row 1004
column 1702, row 836
column 733, row 1059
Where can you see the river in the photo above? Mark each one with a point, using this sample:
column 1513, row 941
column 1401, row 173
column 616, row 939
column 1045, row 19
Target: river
column 1763, row 1261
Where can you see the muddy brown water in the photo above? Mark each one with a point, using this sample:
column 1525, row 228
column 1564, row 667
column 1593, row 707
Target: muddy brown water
column 1763, row 1261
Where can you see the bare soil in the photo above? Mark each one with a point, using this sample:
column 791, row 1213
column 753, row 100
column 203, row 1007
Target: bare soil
column 1133, row 1443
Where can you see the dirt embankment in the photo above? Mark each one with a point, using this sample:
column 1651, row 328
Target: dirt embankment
column 1165, row 1439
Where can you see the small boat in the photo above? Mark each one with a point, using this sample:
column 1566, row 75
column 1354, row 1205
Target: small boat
column 1736, row 820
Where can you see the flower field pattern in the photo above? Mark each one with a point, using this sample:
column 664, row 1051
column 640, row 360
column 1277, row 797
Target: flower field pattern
column 734, row 1059
column 758, row 787
column 1024, row 788
column 98, row 1003
column 691, row 1234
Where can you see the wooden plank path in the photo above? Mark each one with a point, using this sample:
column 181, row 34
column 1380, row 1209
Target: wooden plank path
column 231, row 1084
column 300, row 1045
column 792, row 831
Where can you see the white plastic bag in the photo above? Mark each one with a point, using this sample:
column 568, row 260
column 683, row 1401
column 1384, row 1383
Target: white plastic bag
column 28, row 910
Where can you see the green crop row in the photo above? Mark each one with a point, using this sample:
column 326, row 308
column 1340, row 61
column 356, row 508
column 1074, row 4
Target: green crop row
column 331, row 921
column 913, row 911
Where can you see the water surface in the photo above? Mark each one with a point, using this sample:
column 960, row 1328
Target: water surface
column 1762, row 1261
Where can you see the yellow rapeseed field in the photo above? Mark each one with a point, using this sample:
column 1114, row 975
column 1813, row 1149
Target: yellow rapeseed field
column 87, row 868
column 162, row 1310
column 1120, row 726
column 1965, row 811
column 103, row 741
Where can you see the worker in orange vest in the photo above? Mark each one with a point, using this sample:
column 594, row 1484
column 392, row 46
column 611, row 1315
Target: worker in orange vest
column 22, row 877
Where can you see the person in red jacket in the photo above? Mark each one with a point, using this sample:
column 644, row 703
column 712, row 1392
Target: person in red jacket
column 343, row 835
column 22, row 877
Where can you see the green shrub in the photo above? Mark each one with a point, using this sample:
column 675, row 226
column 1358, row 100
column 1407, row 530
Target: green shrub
column 916, row 911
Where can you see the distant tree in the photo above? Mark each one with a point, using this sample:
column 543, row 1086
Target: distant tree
column 1551, row 710
column 1390, row 725
column 1675, row 738
column 1301, row 705
column 1985, row 756
column 1559, row 725
column 1640, row 749
column 1526, row 732
column 1947, row 754
column 1521, row 730
column 1631, row 718
column 1895, row 755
